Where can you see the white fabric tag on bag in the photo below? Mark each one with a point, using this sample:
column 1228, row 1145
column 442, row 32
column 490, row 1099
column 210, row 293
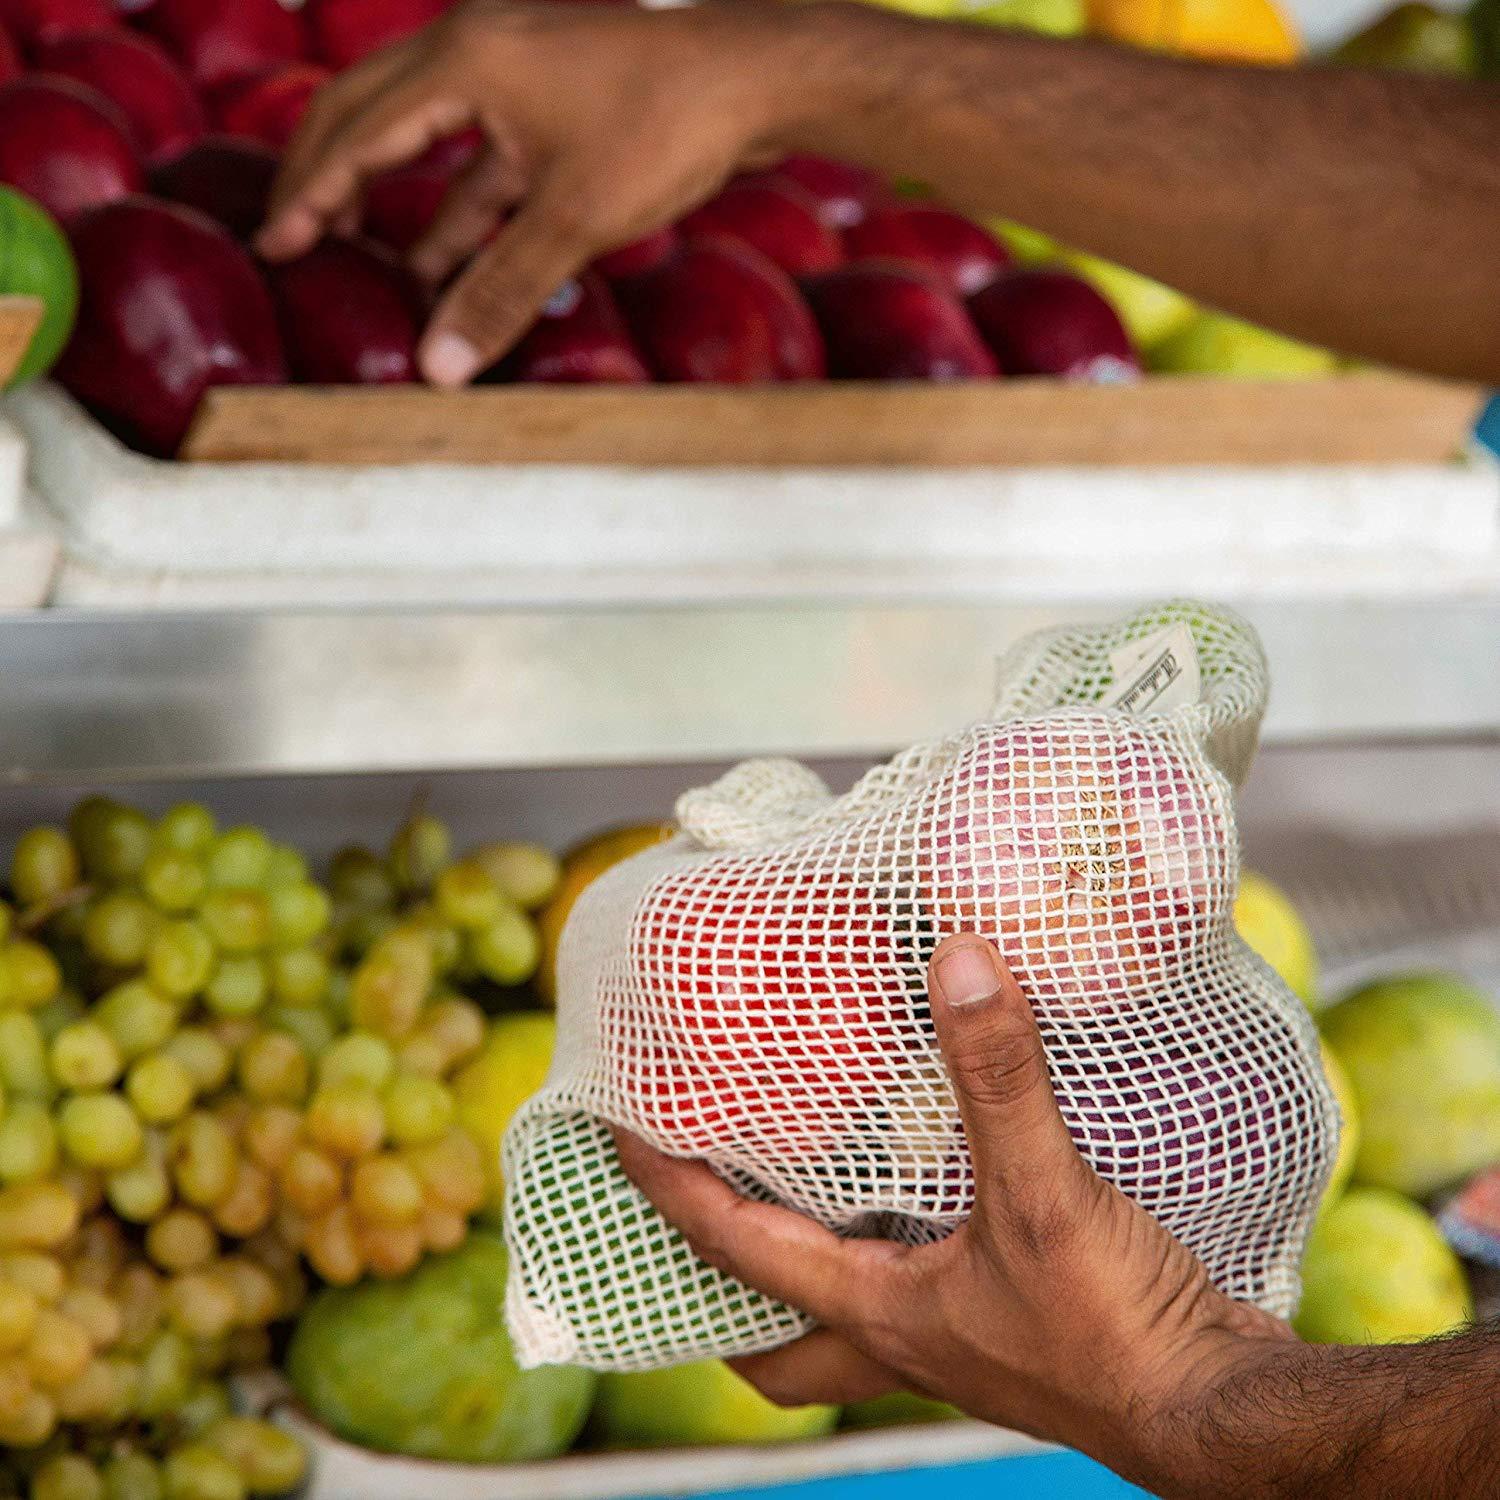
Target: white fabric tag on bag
column 1155, row 674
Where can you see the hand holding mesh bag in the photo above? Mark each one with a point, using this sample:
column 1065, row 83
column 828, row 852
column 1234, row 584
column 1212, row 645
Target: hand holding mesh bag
column 752, row 993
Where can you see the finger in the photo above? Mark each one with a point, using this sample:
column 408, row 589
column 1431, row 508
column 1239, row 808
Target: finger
column 332, row 105
column 393, row 128
column 821, row 1367
column 775, row 1251
column 1024, row 1159
column 468, row 214
column 498, row 297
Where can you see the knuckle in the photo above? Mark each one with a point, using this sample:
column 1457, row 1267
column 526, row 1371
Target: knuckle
column 1001, row 1071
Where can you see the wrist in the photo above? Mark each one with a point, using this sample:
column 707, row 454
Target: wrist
column 1188, row 1419
column 825, row 81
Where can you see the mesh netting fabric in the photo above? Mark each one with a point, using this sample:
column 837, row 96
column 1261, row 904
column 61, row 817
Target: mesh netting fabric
column 753, row 993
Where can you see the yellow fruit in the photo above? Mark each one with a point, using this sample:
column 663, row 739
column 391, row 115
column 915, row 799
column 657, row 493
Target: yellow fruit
column 582, row 864
column 1377, row 1271
column 695, row 1404
column 1270, row 924
column 508, row 1070
column 1246, row 30
column 1343, row 1093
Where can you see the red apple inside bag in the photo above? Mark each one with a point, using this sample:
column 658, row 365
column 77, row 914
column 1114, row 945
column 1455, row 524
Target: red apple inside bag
column 753, row 994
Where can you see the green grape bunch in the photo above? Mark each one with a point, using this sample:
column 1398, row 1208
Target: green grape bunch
column 222, row 1083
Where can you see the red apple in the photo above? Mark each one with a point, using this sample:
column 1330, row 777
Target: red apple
column 720, row 311
column 887, row 321
column 343, row 31
column 580, row 339
column 268, row 106
column 1047, row 322
column 778, row 219
column 965, row 256
column 65, row 145
column 136, row 75
column 350, row 314
column 170, row 306
column 639, row 256
column 843, row 192
column 227, row 178
column 10, row 58
column 399, row 204
column 220, row 40
column 33, row 21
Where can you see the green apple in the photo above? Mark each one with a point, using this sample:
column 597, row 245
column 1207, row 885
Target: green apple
column 1412, row 38
column 424, row 1366
column 1423, row 1057
column 695, row 1404
column 898, row 1409
column 1273, row 927
column 35, row 261
column 1150, row 310
column 1377, row 1271
column 1215, row 344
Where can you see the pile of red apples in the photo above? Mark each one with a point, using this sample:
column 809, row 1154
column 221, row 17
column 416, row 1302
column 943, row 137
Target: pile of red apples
column 152, row 129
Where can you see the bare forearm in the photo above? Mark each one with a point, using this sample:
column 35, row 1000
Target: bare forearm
column 1299, row 1420
column 1356, row 210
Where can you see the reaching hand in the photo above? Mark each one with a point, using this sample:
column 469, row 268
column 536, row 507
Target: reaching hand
column 1060, row 1308
column 600, row 125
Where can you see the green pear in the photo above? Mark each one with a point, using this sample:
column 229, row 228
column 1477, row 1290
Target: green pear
column 1422, row 1053
column 1412, row 38
column 1377, row 1271
column 1215, row 344
column 690, row 1405
column 1150, row 310
column 1029, row 246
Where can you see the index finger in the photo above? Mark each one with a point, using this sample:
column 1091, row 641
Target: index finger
column 770, row 1249
column 388, row 128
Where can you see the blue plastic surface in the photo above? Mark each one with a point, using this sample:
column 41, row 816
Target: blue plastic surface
column 1487, row 428
column 1037, row 1476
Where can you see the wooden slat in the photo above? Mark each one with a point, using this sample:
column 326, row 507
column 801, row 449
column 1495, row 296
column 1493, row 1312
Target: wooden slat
column 19, row 317
column 1365, row 418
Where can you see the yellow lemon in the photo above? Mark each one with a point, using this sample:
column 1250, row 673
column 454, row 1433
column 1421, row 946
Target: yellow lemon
column 1245, row 30
column 1343, row 1093
column 584, row 863
column 1271, row 925
column 504, row 1074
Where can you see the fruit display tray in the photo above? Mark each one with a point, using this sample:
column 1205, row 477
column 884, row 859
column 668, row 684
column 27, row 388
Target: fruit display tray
column 1164, row 421
column 29, row 550
column 1143, row 490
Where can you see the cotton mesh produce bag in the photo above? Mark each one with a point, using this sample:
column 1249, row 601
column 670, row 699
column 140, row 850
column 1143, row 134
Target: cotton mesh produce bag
column 753, row 993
